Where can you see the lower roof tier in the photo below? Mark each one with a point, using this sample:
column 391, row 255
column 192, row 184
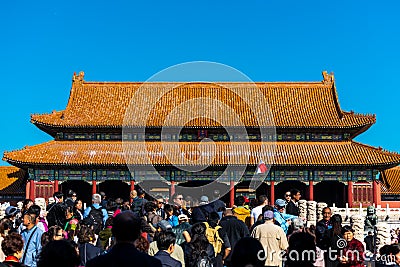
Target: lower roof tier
column 391, row 181
column 118, row 153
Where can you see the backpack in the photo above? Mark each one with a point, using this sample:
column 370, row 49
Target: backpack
column 203, row 260
column 95, row 219
column 214, row 238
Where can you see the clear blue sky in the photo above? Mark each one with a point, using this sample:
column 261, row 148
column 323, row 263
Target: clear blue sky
column 44, row 42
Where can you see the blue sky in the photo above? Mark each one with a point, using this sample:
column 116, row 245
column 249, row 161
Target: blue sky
column 44, row 42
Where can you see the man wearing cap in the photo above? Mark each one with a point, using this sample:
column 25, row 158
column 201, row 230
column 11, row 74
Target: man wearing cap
column 201, row 213
column 182, row 229
column 283, row 219
column 272, row 238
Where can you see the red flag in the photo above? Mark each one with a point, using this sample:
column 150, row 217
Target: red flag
column 261, row 168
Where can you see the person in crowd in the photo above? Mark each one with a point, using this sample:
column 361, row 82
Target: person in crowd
column 202, row 212
column 218, row 238
column 72, row 225
column 177, row 254
column 331, row 256
column 353, row 253
column 272, row 238
column 287, row 197
column 198, row 249
column 5, row 229
column 111, row 207
column 152, row 219
column 60, row 253
column 177, row 202
column 26, row 204
column 235, row 230
column 369, row 241
column 71, row 198
column 241, row 212
column 292, row 207
column 54, row 233
column 302, row 251
column 389, row 256
column 166, row 245
column 281, row 218
column 257, row 211
column 322, row 228
column 106, row 234
column 248, row 251
column 56, row 211
column 78, row 209
column 172, row 217
column 261, row 217
column 32, row 236
column 182, row 230
column 219, row 205
column 11, row 214
column 138, row 202
column 12, row 246
column 95, row 215
column 159, row 200
column 142, row 244
column 87, row 245
column 104, row 199
column 120, row 206
column 40, row 223
column 126, row 229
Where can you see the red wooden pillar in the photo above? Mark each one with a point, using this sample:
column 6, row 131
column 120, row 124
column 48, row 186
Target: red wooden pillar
column 55, row 186
column 94, row 187
column 32, row 189
column 132, row 185
column 231, row 193
column 27, row 190
column 350, row 193
column 272, row 193
column 311, row 190
column 376, row 193
column 172, row 189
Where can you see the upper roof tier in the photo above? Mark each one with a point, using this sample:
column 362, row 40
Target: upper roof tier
column 291, row 105
column 118, row 153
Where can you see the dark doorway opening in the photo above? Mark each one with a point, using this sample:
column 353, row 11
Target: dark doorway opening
column 331, row 192
column 115, row 189
column 82, row 189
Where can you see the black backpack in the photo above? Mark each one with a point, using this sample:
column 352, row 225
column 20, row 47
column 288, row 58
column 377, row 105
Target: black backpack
column 95, row 219
column 203, row 260
column 137, row 206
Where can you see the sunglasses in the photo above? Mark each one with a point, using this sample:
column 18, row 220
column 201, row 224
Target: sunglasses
column 287, row 195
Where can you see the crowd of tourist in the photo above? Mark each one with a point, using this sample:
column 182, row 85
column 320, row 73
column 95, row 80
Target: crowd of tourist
column 150, row 232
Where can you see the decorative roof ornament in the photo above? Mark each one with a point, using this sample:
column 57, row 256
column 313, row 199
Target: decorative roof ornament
column 79, row 77
column 328, row 78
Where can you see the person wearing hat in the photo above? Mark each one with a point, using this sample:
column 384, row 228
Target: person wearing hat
column 240, row 211
column 281, row 218
column 182, row 229
column 11, row 214
column 201, row 213
column 272, row 238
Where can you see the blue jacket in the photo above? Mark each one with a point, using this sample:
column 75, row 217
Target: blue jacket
column 281, row 219
column 166, row 259
column 34, row 246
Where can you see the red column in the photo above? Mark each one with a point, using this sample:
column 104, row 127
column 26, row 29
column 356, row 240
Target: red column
column 272, row 194
column 94, row 187
column 56, row 186
column 232, row 193
column 377, row 193
column 311, row 190
column 132, row 185
column 172, row 189
column 32, row 189
column 350, row 193
column 27, row 190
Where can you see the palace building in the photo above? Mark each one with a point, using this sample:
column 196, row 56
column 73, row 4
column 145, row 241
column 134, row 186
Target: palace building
column 314, row 147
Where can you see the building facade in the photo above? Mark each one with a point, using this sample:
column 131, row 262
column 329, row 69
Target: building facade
column 312, row 137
